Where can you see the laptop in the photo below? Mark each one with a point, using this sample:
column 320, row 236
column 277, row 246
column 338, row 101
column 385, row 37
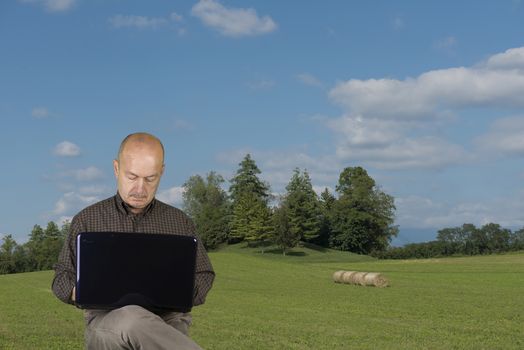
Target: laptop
column 155, row 271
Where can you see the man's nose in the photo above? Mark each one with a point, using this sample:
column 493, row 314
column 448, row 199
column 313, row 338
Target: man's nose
column 140, row 185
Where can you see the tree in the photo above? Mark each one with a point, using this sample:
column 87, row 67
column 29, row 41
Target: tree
column 51, row 245
column 7, row 249
column 498, row 238
column 468, row 234
column 64, row 230
column 251, row 217
column 44, row 247
column 34, row 248
column 477, row 242
column 455, row 239
column 326, row 203
column 283, row 236
column 302, row 207
column 517, row 240
column 251, row 220
column 363, row 215
column 259, row 229
column 208, row 205
column 246, row 181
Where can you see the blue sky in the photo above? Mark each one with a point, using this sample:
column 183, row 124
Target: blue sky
column 428, row 97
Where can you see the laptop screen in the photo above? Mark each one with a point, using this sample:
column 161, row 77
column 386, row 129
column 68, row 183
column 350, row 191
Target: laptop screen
column 114, row 269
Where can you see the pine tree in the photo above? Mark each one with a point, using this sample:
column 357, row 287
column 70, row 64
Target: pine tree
column 283, row 237
column 327, row 201
column 303, row 207
column 240, row 220
column 251, row 217
column 260, row 227
column 35, row 255
column 246, row 181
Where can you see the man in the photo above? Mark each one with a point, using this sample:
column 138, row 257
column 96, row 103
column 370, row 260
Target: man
column 138, row 169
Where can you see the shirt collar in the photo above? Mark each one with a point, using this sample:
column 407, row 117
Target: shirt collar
column 123, row 207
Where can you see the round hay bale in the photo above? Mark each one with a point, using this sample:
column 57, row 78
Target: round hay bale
column 358, row 278
column 346, row 278
column 375, row 279
column 337, row 276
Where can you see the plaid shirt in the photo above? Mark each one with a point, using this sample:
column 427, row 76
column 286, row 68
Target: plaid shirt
column 113, row 215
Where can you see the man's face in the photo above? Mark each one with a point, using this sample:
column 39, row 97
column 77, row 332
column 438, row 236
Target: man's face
column 138, row 173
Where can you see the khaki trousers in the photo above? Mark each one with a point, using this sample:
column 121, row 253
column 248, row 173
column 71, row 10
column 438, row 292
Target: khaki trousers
column 133, row 327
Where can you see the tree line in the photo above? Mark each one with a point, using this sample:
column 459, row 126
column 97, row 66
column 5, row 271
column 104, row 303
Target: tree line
column 358, row 217
column 462, row 240
column 40, row 252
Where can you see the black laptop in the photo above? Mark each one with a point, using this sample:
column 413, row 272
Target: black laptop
column 155, row 271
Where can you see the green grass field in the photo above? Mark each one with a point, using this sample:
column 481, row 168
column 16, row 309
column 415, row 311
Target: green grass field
column 268, row 301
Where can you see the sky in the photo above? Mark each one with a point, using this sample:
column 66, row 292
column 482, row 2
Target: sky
column 428, row 97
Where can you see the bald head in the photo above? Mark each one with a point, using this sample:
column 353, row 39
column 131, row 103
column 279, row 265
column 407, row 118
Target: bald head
column 141, row 139
column 138, row 169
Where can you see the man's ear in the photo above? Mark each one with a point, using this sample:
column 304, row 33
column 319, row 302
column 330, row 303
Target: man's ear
column 116, row 168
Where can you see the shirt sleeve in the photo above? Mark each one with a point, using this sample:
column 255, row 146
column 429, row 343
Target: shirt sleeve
column 65, row 268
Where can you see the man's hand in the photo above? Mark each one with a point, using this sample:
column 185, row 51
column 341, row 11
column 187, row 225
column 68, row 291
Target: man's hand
column 73, row 294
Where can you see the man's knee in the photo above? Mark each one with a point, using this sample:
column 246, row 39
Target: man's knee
column 132, row 319
column 178, row 320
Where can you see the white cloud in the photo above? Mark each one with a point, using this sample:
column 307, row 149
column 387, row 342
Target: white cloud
column 173, row 196
column 504, row 136
column 40, row 112
column 510, row 59
column 71, row 202
column 144, row 22
column 233, row 22
column 140, row 22
column 309, row 80
column 53, row 5
column 371, row 132
column 76, row 199
column 384, row 145
column 422, row 152
column 381, row 115
column 495, row 84
column 67, row 149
